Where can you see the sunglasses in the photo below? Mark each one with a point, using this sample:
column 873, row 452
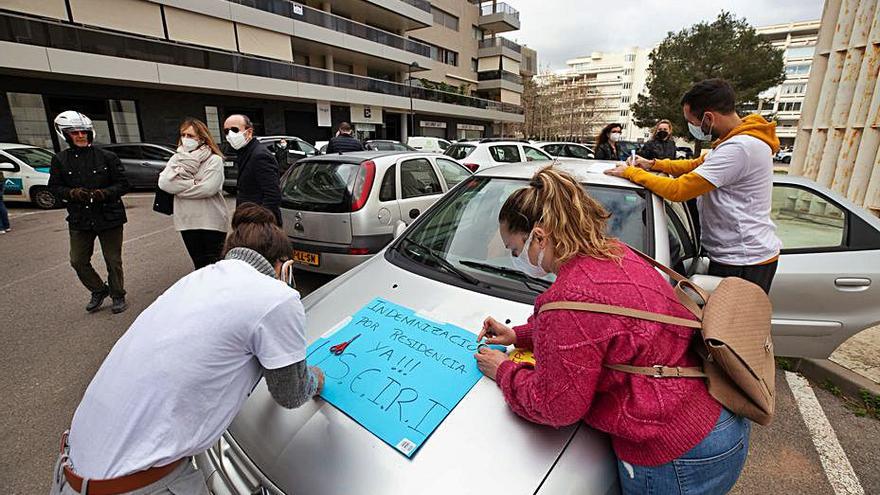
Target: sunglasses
column 233, row 129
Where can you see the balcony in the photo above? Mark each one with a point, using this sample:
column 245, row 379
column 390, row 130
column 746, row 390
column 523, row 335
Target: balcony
column 498, row 17
column 499, row 79
column 94, row 41
column 493, row 47
column 411, row 14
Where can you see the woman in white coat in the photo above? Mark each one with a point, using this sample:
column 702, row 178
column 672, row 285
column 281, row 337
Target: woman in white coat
column 194, row 175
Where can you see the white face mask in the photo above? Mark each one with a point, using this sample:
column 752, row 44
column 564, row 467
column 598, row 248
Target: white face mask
column 614, row 137
column 523, row 264
column 697, row 131
column 236, row 139
column 189, row 144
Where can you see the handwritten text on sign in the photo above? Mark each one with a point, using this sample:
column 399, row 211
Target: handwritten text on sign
column 400, row 374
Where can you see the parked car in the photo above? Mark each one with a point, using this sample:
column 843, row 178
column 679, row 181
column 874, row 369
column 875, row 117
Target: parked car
column 683, row 153
column 143, row 162
column 297, row 149
column 26, row 169
column 488, row 153
column 783, row 156
column 567, row 150
column 825, row 291
column 427, row 143
column 386, row 145
column 341, row 209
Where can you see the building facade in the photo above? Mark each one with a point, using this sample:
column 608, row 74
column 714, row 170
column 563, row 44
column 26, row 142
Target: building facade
column 592, row 92
column 797, row 40
column 839, row 132
column 138, row 67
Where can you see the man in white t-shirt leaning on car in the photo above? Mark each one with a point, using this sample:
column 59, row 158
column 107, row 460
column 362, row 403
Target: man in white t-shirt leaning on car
column 733, row 183
column 173, row 383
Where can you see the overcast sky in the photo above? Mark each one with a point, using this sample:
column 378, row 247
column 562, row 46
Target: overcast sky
column 565, row 29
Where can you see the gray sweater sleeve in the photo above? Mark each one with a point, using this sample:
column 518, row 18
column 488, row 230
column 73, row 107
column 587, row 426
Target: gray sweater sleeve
column 291, row 386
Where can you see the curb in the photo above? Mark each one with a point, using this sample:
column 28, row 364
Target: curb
column 849, row 382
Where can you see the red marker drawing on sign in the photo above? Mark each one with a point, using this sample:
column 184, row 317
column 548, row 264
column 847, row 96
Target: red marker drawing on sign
column 338, row 349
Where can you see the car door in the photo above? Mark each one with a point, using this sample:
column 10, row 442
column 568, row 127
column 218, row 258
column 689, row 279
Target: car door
column 827, row 286
column 419, row 187
column 534, row 154
column 554, row 149
column 504, row 153
column 576, row 151
column 154, row 160
column 13, row 183
column 452, row 172
column 136, row 171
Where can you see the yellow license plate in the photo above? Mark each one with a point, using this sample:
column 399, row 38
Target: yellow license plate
column 306, row 258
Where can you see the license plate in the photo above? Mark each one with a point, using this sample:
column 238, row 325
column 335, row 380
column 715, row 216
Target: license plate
column 306, row 258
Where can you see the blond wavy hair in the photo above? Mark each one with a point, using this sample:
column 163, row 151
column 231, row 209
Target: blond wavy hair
column 575, row 222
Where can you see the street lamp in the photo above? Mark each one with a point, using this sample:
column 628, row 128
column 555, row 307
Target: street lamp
column 409, row 69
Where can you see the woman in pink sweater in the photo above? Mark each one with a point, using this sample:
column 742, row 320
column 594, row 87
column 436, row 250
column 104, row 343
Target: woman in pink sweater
column 670, row 436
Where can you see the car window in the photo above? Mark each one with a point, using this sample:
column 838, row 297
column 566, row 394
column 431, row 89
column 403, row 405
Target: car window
column 460, row 151
column 417, row 178
column 305, row 147
column 534, row 154
column 320, row 186
column 805, row 220
column 154, row 153
column 444, row 145
column 388, row 191
column 553, row 149
column 34, row 157
column 126, row 152
column 681, row 245
column 577, row 152
column 505, row 153
column 452, row 172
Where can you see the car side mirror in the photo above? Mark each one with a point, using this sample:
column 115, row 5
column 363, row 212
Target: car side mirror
column 399, row 228
column 8, row 166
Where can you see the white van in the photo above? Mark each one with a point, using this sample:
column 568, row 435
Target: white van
column 430, row 144
column 26, row 174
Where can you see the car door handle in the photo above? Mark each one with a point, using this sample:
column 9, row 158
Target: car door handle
column 852, row 284
column 145, row 164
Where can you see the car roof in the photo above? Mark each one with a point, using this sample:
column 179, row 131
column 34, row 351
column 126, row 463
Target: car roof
column 586, row 171
column 361, row 156
column 278, row 137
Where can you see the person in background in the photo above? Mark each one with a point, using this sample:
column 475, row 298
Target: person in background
column 344, row 142
column 194, row 175
column 181, row 372
column 606, row 143
column 669, row 434
column 257, row 169
column 92, row 182
column 4, row 213
column 281, row 156
column 661, row 146
column 733, row 183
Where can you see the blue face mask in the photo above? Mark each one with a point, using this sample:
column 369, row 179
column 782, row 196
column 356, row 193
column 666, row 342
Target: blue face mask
column 697, row 131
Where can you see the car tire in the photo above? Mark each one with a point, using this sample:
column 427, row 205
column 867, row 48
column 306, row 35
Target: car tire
column 44, row 199
column 786, row 160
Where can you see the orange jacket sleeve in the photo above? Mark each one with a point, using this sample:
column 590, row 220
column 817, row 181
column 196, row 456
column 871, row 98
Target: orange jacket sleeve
column 677, row 167
column 683, row 188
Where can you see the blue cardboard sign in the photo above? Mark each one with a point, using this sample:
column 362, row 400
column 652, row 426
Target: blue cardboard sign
column 396, row 373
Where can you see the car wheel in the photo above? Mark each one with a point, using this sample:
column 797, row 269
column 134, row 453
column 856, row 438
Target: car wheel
column 44, row 198
column 786, row 160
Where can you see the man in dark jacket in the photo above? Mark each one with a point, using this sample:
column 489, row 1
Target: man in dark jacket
column 257, row 168
column 344, row 141
column 92, row 182
column 661, row 146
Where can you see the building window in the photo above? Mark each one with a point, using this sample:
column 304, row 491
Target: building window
column 478, row 33
column 627, row 85
column 800, row 52
column 794, row 89
column 29, row 118
column 123, row 114
column 441, row 54
column 797, row 69
column 624, row 113
column 443, row 18
column 790, row 106
column 630, row 57
column 627, row 72
column 212, row 120
column 475, row 65
column 624, row 99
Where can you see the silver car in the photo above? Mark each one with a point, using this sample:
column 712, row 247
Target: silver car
column 567, row 150
column 824, row 292
column 341, row 209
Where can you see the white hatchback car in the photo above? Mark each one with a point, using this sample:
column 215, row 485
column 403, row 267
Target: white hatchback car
column 427, row 143
column 488, row 153
column 26, row 172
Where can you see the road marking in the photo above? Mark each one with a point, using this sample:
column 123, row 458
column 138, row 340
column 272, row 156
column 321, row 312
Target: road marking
column 14, row 216
column 67, row 263
column 838, row 470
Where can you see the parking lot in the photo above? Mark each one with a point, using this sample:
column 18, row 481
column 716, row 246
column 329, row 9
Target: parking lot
column 53, row 347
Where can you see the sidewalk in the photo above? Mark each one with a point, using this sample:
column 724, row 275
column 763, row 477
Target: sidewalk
column 861, row 354
column 852, row 368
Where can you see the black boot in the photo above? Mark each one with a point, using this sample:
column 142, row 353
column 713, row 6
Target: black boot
column 119, row 305
column 97, row 300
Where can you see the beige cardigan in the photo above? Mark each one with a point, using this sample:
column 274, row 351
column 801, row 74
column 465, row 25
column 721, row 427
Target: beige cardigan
column 198, row 198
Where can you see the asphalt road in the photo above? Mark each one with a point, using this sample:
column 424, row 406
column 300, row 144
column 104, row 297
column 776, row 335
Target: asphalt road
column 52, row 348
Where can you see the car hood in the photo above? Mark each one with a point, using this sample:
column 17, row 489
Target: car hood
column 317, row 449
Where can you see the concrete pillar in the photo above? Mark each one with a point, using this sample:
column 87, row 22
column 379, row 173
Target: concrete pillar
column 328, row 61
column 404, row 127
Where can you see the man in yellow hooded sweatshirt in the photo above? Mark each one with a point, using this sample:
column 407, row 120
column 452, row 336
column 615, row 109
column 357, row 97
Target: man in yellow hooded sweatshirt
column 733, row 183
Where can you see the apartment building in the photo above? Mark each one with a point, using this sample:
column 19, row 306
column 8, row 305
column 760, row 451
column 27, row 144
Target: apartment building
column 592, row 92
column 797, row 40
column 138, row 67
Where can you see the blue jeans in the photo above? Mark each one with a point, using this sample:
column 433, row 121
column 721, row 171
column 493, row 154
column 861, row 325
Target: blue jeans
column 712, row 467
column 4, row 215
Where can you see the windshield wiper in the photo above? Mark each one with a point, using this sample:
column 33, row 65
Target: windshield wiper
column 503, row 270
column 440, row 260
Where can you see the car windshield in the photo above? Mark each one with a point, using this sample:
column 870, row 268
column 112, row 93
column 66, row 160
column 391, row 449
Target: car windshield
column 463, row 230
column 389, row 146
column 320, row 186
column 34, row 157
column 460, row 151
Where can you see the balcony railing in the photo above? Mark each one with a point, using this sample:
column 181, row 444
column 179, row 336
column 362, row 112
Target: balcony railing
column 498, row 8
column 420, row 4
column 339, row 24
column 493, row 42
column 65, row 36
column 494, row 75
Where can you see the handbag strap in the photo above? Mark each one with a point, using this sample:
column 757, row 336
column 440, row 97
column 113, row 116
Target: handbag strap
column 681, row 284
column 620, row 311
column 659, row 371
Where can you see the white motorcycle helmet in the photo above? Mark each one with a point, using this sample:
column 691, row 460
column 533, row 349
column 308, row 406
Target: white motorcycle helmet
column 71, row 120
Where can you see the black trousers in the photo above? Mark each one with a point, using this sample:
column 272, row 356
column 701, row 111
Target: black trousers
column 760, row 275
column 205, row 247
column 82, row 246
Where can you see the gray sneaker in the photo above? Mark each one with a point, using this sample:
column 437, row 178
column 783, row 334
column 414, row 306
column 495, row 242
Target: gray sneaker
column 119, row 305
column 97, row 300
